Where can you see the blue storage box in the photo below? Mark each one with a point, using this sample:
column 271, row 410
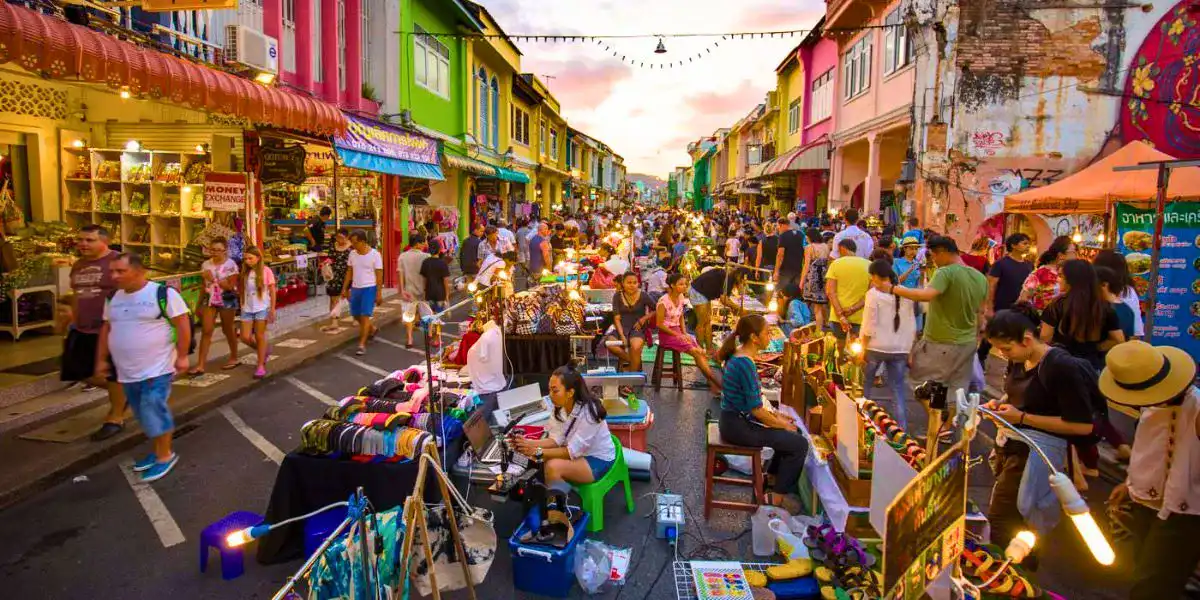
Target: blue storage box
column 543, row 570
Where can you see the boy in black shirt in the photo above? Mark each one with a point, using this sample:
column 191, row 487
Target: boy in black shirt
column 437, row 279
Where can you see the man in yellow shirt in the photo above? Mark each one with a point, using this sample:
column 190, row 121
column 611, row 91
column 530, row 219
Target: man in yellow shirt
column 846, row 285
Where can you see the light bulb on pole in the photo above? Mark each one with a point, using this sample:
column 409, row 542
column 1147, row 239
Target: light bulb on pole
column 472, row 287
column 1081, row 518
column 773, row 305
column 856, row 348
column 770, row 286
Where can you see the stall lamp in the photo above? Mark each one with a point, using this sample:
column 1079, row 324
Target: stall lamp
column 409, row 316
column 856, row 347
column 1077, row 237
column 773, row 305
column 78, row 144
column 1081, row 517
column 1100, row 238
column 503, row 275
column 125, row 94
column 242, row 537
column 1020, row 546
column 770, row 286
column 201, row 148
column 472, row 287
column 545, row 272
column 133, row 146
column 574, row 294
column 187, row 189
column 265, row 78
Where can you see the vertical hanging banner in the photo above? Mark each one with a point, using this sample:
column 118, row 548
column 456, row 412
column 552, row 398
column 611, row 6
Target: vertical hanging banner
column 225, row 191
column 1177, row 316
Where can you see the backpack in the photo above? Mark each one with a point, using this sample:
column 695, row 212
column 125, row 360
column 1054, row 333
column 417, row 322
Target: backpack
column 161, row 292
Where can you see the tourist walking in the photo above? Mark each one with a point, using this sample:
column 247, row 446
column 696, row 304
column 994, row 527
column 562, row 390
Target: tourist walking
column 258, row 305
column 846, row 285
column 1041, row 286
column 362, row 287
column 812, row 277
column 469, row 257
column 889, row 327
column 147, row 333
column 412, row 285
column 864, row 244
column 219, row 299
column 338, row 258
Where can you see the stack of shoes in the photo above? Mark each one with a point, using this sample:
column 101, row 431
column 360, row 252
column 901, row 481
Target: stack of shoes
column 980, row 563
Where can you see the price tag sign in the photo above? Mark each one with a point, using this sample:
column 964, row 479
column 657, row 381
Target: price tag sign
column 301, row 261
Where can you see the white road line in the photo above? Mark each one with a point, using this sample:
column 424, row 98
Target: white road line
column 311, row 391
column 164, row 524
column 362, row 365
column 388, row 342
column 256, row 438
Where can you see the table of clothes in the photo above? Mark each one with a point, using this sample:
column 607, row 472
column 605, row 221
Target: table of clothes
column 370, row 440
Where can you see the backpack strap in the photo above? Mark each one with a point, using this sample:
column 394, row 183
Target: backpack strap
column 161, row 293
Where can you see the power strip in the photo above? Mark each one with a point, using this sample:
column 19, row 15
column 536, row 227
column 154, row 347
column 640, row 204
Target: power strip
column 668, row 516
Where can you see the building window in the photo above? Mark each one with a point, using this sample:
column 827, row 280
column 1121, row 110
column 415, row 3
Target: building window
column 365, row 41
column 821, row 106
column 317, row 43
column 495, row 114
column 794, row 116
column 897, row 47
column 483, row 107
column 289, row 36
column 856, row 67
column 520, row 126
column 341, row 48
column 554, row 144
column 431, row 63
column 542, row 138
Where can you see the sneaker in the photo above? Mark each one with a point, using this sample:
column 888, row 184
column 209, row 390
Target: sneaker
column 361, row 351
column 106, row 431
column 145, row 463
column 160, row 470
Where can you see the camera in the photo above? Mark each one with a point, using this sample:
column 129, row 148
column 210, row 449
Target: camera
column 933, row 393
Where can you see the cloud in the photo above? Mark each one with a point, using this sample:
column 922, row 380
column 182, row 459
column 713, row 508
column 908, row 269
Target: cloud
column 736, row 102
column 780, row 16
column 580, row 84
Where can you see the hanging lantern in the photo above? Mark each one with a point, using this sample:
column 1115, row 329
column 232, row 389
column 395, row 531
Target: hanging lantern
column 661, row 49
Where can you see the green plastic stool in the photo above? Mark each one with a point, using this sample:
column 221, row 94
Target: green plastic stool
column 592, row 494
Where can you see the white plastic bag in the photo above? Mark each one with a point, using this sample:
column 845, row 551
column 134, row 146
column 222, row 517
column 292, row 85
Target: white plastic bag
column 338, row 309
column 742, row 464
column 592, row 565
column 763, row 539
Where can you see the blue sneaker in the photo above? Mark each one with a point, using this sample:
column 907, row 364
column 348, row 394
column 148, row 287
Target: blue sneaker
column 145, row 463
column 160, row 470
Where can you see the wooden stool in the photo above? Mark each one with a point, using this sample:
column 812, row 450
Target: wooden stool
column 675, row 369
column 717, row 447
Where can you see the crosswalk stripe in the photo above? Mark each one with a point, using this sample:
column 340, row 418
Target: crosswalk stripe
column 311, row 391
column 256, row 438
column 362, row 365
column 388, row 342
column 164, row 524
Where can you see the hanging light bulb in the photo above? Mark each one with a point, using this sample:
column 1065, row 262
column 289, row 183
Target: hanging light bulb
column 472, row 287
column 856, row 347
column 661, row 49
column 770, row 286
column 410, row 315
column 773, row 305
column 574, row 294
column 78, row 144
column 1100, row 237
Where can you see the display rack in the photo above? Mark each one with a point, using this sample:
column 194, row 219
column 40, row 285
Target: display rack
column 16, row 328
column 150, row 201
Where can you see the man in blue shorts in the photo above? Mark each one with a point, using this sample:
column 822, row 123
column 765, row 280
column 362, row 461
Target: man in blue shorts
column 362, row 286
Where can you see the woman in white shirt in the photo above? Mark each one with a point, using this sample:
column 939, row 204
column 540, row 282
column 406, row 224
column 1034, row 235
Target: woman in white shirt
column 258, row 305
column 220, row 297
column 580, row 449
column 889, row 328
column 733, row 249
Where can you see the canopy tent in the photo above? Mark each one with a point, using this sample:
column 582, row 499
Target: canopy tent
column 1094, row 188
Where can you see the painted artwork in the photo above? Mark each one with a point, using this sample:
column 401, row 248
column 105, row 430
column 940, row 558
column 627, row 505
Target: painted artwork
column 1162, row 90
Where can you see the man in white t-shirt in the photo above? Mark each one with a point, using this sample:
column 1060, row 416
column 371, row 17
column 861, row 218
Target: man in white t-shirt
column 412, row 283
column 863, row 241
column 363, row 287
column 147, row 333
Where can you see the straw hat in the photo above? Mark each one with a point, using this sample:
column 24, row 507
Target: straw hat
column 910, row 241
column 1138, row 374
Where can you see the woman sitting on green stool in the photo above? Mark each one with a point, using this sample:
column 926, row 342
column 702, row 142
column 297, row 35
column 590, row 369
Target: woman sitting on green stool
column 580, row 449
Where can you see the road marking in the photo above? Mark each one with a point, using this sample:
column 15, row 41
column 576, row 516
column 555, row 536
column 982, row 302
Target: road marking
column 164, row 524
column 362, row 365
column 388, row 342
column 311, row 391
column 256, row 438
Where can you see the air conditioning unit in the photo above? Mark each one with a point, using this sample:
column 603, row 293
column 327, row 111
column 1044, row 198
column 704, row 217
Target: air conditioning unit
column 251, row 48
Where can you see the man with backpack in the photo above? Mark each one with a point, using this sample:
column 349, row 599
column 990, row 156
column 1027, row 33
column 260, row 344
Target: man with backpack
column 147, row 332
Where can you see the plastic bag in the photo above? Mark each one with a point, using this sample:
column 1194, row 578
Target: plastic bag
column 760, row 530
column 592, row 565
column 742, row 464
column 338, row 309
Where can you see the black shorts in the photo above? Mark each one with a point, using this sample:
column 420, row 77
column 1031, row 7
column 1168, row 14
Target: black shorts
column 79, row 357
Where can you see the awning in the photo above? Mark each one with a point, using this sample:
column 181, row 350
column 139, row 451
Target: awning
column 54, row 48
column 813, row 156
column 756, row 171
column 373, row 146
column 510, row 175
column 469, row 165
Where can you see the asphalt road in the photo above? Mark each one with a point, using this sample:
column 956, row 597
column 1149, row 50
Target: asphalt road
column 102, row 537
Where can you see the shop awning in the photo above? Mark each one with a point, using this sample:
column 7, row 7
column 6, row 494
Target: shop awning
column 1091, row 190
column 511, row 175
column 813, row 156
column 756, row 171
column 373, row 146
column 54, row 48
column 469, row 165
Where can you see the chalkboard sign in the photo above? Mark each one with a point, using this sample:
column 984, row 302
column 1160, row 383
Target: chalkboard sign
column 281, row 164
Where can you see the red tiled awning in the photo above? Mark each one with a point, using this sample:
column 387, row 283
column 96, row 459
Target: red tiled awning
column 48, row 46
column 813, row 156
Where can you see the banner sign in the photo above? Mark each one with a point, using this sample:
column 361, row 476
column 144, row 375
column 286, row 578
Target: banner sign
column 925, row 526
column 1177, row 317
column 225, row 191
column 380, row 140
column 282, row 163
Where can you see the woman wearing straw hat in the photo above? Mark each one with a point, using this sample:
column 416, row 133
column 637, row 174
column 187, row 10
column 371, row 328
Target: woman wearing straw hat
column 1158, row 505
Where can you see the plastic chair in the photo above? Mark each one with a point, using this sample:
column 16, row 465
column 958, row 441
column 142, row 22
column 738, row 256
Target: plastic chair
column 213, row 536
column 592, row 494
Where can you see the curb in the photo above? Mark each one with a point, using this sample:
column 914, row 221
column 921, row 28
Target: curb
column 197, row 405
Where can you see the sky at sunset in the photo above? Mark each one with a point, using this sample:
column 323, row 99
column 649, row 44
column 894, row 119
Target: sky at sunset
column 648, row 116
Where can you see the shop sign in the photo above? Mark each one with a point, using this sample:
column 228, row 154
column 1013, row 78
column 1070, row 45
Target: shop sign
column 225, row 191
column 925, row 526
column 364, row 136
column 282, row 164
column 1177, row 316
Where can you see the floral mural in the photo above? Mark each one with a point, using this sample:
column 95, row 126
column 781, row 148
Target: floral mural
column 1162, row 94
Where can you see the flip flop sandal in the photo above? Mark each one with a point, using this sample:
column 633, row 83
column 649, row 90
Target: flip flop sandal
column 230, row 366
column 824, row 575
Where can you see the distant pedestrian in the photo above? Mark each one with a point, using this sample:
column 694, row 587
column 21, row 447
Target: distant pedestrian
column 790, row 261
column 362, row 287
column 1041, row 286
column 863, row 242
column 338, row 256
column 1122, row 287
column 220, row 298
column 468, row 258
column 412, row 284
column 437, row 280
column 846, row 285
column 258, row 305
column 147, row 332
column 314, row 229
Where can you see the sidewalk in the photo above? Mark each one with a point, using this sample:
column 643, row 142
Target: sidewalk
column 39, row 455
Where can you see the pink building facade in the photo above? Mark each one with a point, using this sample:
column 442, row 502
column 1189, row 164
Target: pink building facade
column 819, row 58
column 334, row 29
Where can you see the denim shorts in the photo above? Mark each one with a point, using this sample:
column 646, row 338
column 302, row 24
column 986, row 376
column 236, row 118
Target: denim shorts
column 362, row 301
column 599, row 467
column 148, row 401
column 260, row 315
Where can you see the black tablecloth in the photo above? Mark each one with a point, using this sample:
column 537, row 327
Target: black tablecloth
column 537, row 354
column 305, row 483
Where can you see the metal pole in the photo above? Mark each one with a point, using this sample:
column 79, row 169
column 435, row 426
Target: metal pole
column 291, row 583
column 1160, row 206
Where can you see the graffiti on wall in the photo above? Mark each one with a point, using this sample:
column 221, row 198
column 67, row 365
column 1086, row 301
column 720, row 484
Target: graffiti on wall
column 1161, row 103
column 987, row 143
